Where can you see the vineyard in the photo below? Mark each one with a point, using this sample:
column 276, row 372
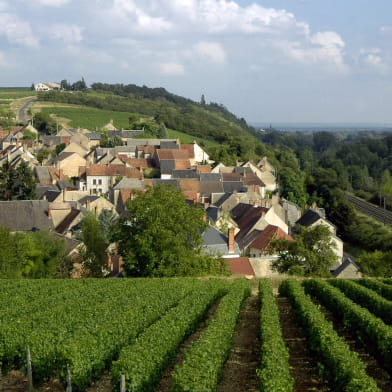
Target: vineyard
column 177, row 335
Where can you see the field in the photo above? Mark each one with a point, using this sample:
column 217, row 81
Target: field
column 177, row 335
column 89, row 118
column 15, row 92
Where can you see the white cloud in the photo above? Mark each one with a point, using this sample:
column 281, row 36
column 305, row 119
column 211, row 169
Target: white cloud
column 172, row 68
column 53, row 3
column 373, row 57
column 212, row 51
column 16, row 31
column 137, row 18
column 275, row 28
column 70, row 34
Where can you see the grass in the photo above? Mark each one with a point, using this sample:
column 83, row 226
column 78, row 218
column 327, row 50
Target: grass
column 16, row 92
column 89, row 118
column 186, row 139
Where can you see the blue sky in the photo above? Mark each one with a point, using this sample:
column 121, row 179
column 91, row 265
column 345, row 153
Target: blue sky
column 266, row 60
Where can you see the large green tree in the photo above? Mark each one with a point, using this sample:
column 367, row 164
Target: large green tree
column 94, row 252
column 162, row 236
column 311, row 254
column 17, row 183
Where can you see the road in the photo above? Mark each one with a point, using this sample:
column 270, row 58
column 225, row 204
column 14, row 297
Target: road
column 23, row 110
column 371, row 210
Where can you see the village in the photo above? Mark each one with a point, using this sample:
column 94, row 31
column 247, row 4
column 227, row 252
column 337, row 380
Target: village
column 242, row 205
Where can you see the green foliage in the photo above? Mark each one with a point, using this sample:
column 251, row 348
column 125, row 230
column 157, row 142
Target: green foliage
column 60, row 147
column 379, row 287
column 94, row 238
column 162, row 236
column 311, row 254
column 204, row 360
column 30, row 255
column 291, row 185
column 143, row 362
column 343, row 367
column 365, row 297
column 378, row 263
column 372, row 331
column 162, row 132
column 44, row 123
column 274, row 371
column 17, row 183
column 110, row 141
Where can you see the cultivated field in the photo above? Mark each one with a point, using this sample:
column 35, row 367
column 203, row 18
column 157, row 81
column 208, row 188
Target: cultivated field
column 180, row 335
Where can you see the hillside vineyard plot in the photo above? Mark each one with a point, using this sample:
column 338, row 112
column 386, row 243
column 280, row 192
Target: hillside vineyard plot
column 134, row 330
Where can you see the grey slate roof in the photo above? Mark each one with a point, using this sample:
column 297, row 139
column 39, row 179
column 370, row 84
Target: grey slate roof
column 159, row 181
column 185, row 173
column 208, row 187
column 225, row 197
column 40, row 190
column 343, row 266
column 83, row 201
column 42, row 174
column 210, row 177
column 129, row 183
column 93, row 136
column 167, row 166
column 233, row 186
column 216, row 243
column 25, row 215
column 213, row 213
column 308, row 218
column 169, row 145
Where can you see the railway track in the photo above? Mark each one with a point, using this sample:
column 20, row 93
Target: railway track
column 371, row 210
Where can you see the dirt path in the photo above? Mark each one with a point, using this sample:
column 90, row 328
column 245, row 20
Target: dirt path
column 303, row 362
column 374, row 365
column 239, row 373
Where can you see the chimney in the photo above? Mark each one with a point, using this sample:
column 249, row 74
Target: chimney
column 49, row 213
column 231, row 241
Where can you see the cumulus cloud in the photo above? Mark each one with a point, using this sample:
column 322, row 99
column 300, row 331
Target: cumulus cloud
column 373, row 57
column 211, row 51
column 16, row 31
column 277, row 28
column 172, row 68
column 70, row 34
column 138, row 17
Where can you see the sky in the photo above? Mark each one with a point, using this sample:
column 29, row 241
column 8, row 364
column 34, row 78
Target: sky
column 291, row 61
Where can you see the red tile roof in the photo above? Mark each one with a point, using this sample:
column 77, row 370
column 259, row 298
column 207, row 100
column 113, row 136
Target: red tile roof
column 240, row 266
column 269, row 234
column 203, row 168
column 182, row 164
column 172, row 154
column 189, row 185
column 112, row 171
column 190, row 148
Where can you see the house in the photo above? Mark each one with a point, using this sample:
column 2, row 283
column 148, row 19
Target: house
column 97, row 204
column 100, row 178
column 314, row 217
column 215, row 243
column 347, row 270
column 77, row 148
column 25, row 215
column 47, row 86
column 260, row 246
column 70, row 163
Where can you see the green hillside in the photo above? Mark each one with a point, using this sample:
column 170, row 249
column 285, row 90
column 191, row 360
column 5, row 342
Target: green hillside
column 226, row 137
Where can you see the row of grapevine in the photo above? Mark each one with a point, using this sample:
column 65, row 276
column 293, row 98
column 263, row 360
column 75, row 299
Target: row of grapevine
column 203, row 363
column 343, row 367
column 85, row 330
column 372, row 330
column 367, row 298
column 143, row 362
column 378, row 286
column 274, row 371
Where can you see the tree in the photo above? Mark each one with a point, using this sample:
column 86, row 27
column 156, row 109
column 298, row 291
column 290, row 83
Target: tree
column 311, row 254
column 162, row 236
column 17, row 183
column 94, row 255
column 162, row 132
column 44, row 123
column 202, row 100
column 378, row 264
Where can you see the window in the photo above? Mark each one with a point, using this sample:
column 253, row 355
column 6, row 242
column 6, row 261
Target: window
column 94, row 181
column 100, row 182
column 99, row 190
